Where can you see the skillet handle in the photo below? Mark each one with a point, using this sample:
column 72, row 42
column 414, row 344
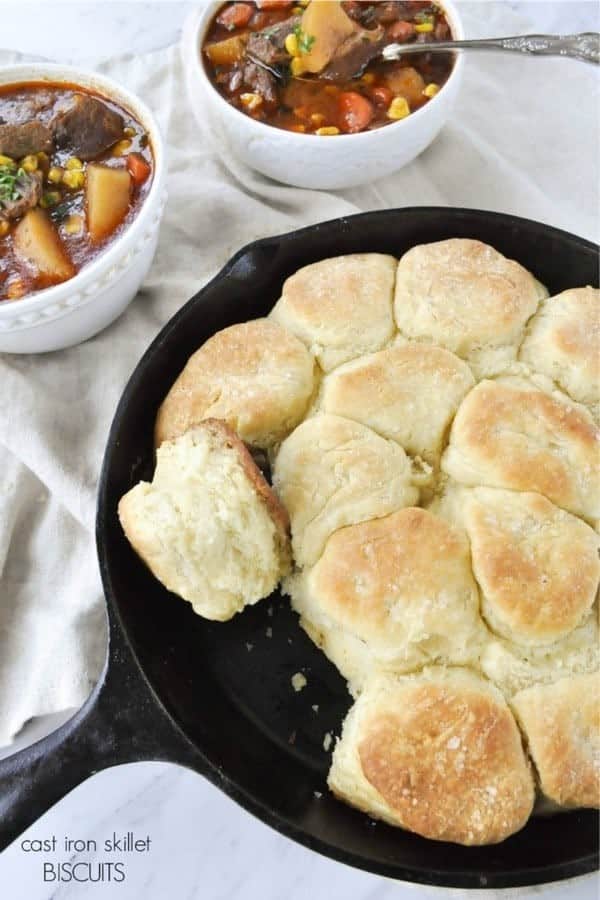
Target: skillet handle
column 121, row 722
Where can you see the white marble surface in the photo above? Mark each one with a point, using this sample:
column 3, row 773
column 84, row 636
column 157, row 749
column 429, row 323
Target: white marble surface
column 203, row 845
column 78, row 31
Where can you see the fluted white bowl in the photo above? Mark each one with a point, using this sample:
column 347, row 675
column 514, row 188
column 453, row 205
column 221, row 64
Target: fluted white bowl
column 306, row 160
column 75, row 310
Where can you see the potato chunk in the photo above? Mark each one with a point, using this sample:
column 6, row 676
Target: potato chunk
column 407, row 83
column 37, row 241
column 107, row 195
column 227, row 52
column 325, row 26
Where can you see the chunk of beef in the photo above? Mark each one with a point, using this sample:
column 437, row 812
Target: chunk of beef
column 87, row 127
column 17, row 141
column 35, row 103
column 361, row 12
column 231, row 79
column 385, row 12
column 261, row 82
column 268, row 45
column 354, row 55
column 391, row 11
column 382, row 13
column 236, row 78
column 25, row 106
column 28, row 190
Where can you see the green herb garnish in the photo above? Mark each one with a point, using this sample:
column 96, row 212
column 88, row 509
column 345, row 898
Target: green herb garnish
column 59, row 213
column 305, row 41
column 9, row 186
column 425, row 16
column 50, row 198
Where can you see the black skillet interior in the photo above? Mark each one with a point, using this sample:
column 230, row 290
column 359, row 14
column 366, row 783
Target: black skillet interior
column 228, row 686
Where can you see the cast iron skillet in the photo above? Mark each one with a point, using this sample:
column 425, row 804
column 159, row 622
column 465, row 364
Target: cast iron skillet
column 217, row 697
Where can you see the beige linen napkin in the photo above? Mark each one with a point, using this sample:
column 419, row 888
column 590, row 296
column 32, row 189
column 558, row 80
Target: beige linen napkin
column 523, row 139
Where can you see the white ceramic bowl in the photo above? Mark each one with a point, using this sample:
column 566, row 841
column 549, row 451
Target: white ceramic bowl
column 71, row 312
column 311, row 161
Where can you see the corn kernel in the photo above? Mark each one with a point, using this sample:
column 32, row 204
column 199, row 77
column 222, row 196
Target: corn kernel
column 7, row 161
column 251, row 101
column 15, row 289
column 398, row 108
column 299, row 128
column 317, row 118
column 129, row 132
column 50, row 198
column 29, row 163
column 55, row 175
column 431, row 89
column 303, row 2
column 331, row 89
column 121, row 147
column 297, row 66
column 43, row 158
column 327, row 130
column 73, row 224
column 74, row 179
column 424, row 27
column 4, row 227
column 296, row 10
column 368, row 78
column 291, row 45
column 74, row 163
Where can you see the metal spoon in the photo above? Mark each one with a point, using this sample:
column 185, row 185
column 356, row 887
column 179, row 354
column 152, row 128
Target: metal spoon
column 584, row 47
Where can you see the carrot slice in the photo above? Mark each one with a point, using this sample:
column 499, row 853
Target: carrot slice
column 273, row 4
column 138, row 167
column 355, row 112
column 235, row 16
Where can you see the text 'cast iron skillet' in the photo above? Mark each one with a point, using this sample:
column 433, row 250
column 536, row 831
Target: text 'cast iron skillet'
column 217, row 697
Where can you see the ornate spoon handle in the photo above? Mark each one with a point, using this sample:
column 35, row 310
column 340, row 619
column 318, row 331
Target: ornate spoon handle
column 585, row 47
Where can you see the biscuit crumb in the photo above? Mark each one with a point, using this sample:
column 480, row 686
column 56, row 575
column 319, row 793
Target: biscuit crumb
column 298, row 681
column 269, row 632
column 315, row 707
column 249, row 647
column 327, row 741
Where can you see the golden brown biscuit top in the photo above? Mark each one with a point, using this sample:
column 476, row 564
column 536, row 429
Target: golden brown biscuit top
column 537, row 566
column 463, row 295
column 331, row 472
column 340, row 307
column 562, row 725
column 449, row 762
column 256, row 376
column 397, row 579
column 563, row 342
column 514, row 436
column 407, row 393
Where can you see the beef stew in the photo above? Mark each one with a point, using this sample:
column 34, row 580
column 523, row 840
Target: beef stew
column 74, row 170
column 315, row 66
